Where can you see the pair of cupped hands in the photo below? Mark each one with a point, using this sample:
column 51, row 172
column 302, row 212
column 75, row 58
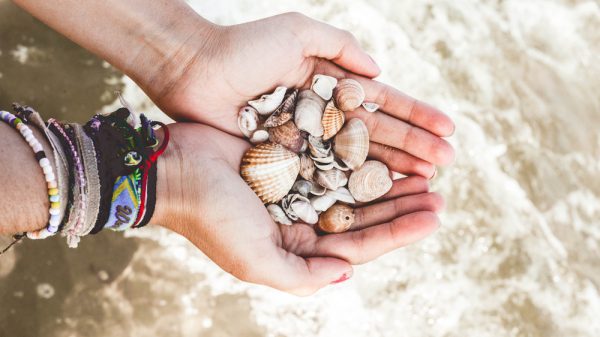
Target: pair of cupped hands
column 204, row 197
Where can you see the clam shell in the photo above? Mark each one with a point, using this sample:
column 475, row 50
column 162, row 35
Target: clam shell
column 333, row 120
column 278, row 215
column 247, row 120
column 266, row 104
column 284, row 112
column 270, row 170
column 305, row 211
column 337, row 219
column 323, row 86
column 351, row 144
column 370, row 107
column 309, row 111
column 322, row 203
column 341, row 194
column 348, row 94
column 370, row 181
column 287, row 135
column 331, row 179
column 259, row 136
column 307, row 167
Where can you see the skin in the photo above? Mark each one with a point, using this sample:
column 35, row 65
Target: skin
column 197, row 71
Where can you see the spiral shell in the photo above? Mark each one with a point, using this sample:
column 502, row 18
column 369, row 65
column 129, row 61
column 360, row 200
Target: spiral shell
column 323, row 86
column 270, row 170
column 287, row 135
column 284, row 112
column 309, row 111
column 348, row 94
column 337, row 219
column 268, row 103
column 351, row 144
column 370, row 181
column 331, row 179
column 307, row 167
column 247, row 120
column 333, row 120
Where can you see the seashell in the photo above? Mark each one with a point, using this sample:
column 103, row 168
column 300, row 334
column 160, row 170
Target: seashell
column 340, row 165
column 247, row 120
column 332, row 179
column 318, row 148
column 318, row 189
column 370, row 107
column 305, row 211
column 284, row 112
column 268, row 103
column 351, row 144
column 309, row 111
column 323, row 86
column 287, row 135
column 307, row 167
column 322, row 203
column 348, row 94
column 341, row 194
column 370, row 181
column 333, row 120
column 278, row 215
column 304, row 146
column 270, row 170
column 324, row 166
column 337, row 219
column 303, row 187
column 259, row 136
column 289, row 200
column 324, row 160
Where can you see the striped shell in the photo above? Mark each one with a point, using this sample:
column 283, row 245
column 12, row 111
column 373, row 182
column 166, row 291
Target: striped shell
column 348, row 94
column 351, row 144
column 309, row 111
column 333, row 120
column 337, row 219
column 270, row 170
column 287, row 135
column 331, row 179
column 307, row 167
column 370, row 181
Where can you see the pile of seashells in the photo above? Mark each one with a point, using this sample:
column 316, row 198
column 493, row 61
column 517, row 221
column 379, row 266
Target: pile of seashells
column 308, row 163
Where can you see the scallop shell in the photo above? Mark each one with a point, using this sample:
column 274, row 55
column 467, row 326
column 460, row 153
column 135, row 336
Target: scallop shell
column 284, row 112
column 341, row 194
column 307, row 167
column 348, row 94
column 351, row 144
column 370, row 107
column 323, row 86
column 278, row 215
column 370, row 181
column 309, row 111
column 259, row 136
column 333, row 120
column 268, row 103
column 322, row 203
column 287, row 135
column 337, row 219
column 247, row 120
column 332, row 179
column 270, row 170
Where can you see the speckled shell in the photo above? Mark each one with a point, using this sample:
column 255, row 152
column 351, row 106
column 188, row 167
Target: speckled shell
column 370, row 181
column 309, row 111
column 333, row 120
column 248, row 120
column 348, row 94
column 270, row 170
column 287, row 135
column 266, row 104
column 331, row 179
column 307, row 167
column 284, row 112
column 351, row 144
column 337, row 219
column 323, row 86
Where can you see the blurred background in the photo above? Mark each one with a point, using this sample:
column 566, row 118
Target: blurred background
column 519, row 250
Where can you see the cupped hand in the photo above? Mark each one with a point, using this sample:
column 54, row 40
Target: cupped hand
column 238, row 63
column 205, row 199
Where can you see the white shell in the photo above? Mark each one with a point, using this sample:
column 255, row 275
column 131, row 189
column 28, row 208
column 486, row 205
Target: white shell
column 341, row 194
column 266, row 104
column 323, row 86
column 370, row 107
column 309, row 111
column 303, row 187
column 323, row 202
column 278, row 215
column 259, row 136
column 247, row 120
column 370, row 181
column 318, row 189
column 331, row 179
column 305, row 211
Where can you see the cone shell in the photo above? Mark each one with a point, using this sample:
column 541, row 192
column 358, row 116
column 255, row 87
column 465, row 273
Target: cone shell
column 370, row 181
column 309, row 111
column 348, row 94
column 266, row 104
column 331, row 179
column 307, row 167
column 270, row 170
column 333, row 120
column 287, row 135
column 351, row 144
column 284, row 112
column 337, row 219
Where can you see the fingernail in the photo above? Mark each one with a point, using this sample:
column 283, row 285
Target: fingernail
column 375, row 63
column 434, row 174
column 345, row 277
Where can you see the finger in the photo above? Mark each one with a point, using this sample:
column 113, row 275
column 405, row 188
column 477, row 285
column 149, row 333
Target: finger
column 365, row 245
column 400, row 161
column 404, row 187
column 385, row 211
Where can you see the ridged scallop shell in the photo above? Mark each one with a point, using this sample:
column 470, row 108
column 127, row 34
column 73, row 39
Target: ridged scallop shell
column 337, row 219
column 331, row 179
column 309, row 111
column 287, row 135
column 333, row 120
column 370, row 107
column 247, row 120
column 370, row 181
column 307, row 167
column 323, row 86
column 266, row 104
column 351, row 144
column 278, row 215
column 270, row 170
column 259, row 136
column 348, row 94
column 284, row 112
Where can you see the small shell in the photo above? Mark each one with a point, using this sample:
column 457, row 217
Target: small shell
column 323, row 86
column 307, row 167
column 333, row 120
column 318, row 148
column 324, row 160
column 318, row 189
column 259, row 136
column 370, row 181
column 340, row 165
column 322, row 203
column 348, row 94
column 352, row 143
column 370, row 107
column 303, row 187
column 247, row 120
column 309, row 111
column 341, row 194
column 324, row 166
column 287, row 135
column 337, row 219
column 305, row 211
column 278, row 215
column 268, row 103
column 288, row 200
column 332, row 179
column 284, row 112
column 270, row 170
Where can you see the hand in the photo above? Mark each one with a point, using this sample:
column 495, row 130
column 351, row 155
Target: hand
column 238, row 63
column 202, row 196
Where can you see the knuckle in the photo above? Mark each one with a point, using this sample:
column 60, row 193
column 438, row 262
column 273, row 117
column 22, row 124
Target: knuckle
column 296, row 17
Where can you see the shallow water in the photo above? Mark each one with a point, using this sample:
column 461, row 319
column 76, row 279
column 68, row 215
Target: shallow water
column 519, row 251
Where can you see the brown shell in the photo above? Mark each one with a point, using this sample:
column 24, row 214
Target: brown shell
column 348, row 94
column 284, row 112
column 307, row 167
column 287, row 135
column 333, row 120
column 370, row 181
column 337, row 219
column 351, row 144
